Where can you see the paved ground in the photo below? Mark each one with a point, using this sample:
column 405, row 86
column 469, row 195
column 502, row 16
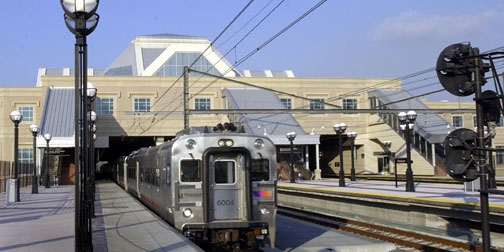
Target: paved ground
column 424, row 191
column 129, row 226
column 39, row 222
column 45, row 222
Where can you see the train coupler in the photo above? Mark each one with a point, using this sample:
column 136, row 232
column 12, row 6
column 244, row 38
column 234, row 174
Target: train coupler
column 227, row 235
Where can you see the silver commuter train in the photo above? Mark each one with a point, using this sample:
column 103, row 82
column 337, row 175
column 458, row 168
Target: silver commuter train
column 218, row 187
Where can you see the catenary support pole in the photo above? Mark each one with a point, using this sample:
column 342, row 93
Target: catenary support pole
column 481, row 158
column 186, row 94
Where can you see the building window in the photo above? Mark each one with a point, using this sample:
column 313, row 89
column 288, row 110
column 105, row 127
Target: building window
column 175, row 65
column 25, row 155
column 142, row 104
column 202, row 104
column 27, row 113
column 457, row 121
column 499, row 155
column 317, row 104
column 104, row 106
column 286, row 102
column 475, row 119
column 349, row 103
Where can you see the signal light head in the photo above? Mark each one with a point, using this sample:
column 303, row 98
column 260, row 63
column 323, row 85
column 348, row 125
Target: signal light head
column 459, row 162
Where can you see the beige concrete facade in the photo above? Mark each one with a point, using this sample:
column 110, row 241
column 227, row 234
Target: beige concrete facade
column 166, row 116
column 134, row 76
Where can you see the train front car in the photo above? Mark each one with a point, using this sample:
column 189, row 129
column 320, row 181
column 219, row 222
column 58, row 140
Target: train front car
column 225, row 189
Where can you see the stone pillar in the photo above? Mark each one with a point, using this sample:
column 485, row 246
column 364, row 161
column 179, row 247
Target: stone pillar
column 318, row 172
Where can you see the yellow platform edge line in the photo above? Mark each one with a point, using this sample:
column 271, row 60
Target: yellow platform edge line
column 388, row 195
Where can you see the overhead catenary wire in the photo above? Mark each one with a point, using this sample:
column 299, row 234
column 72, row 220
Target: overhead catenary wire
column 240, row 41
column 362, row 90
column 208, row 47
column 247, row 23
column 249, row 54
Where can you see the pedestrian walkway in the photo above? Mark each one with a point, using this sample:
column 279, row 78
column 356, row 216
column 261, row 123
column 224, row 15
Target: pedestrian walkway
column 45, row 222
column 39, row 222
column 128, row 226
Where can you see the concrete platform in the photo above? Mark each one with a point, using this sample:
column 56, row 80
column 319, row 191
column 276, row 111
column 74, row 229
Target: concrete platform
column 39, row 222
column 428, row 193
column 128, row 226
column 45, row 222
column 445, row 210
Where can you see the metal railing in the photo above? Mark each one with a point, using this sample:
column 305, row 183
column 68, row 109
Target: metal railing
column 25, row 174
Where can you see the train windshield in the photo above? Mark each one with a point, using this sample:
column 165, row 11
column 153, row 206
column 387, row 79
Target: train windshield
column 225, row 172
column 260, row 169
column 190, row 171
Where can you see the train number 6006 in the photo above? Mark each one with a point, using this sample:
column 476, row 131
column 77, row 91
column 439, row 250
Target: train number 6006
column 225, row 202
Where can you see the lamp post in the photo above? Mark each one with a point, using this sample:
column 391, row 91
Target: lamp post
column 92, row 162
column 291, row 136
column 47, row 137
column 81, row 19
column 407, row 123
column 340, row 128
column 16, row 117
column 34, row 129
column 352, row 135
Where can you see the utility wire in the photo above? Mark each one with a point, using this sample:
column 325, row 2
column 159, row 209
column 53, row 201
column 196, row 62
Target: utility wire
column 243, row 26
column 239, row 42
column 250, row 54
column 355, row 92
column 209, row 46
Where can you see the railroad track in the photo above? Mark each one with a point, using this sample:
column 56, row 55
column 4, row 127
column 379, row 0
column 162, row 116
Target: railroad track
column 397, row 236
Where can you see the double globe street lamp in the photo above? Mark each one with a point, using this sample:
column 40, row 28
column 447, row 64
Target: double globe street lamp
column 352, row 135
column 407, row 124
column 340, row 128
column 34, row 129
column 291, row 136
column 92, row 162
column 47, row 137
column 16, row 117
column 81, row 19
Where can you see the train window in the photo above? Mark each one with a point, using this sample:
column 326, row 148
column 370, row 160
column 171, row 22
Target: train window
column 190, row 171
column 260, row 169
column 225, row 172
column 158, row 178
column 151, row 177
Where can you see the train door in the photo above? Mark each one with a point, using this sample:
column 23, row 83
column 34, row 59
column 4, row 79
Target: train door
column 137, row 171
column 125, row 175
column 226, row 179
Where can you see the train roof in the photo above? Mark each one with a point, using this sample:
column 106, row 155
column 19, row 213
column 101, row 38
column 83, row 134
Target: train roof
column 219, row 128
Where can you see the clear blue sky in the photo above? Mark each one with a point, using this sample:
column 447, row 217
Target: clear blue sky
column 340, row 39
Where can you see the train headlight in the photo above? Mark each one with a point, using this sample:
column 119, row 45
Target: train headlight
column 264, row 211
column 188, row 213
column 225, row 142
column 229, row 143
column 258, row 143
column 190, row 143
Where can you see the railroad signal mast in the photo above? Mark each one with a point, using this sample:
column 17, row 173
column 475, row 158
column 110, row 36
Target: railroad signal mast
column 461, row 71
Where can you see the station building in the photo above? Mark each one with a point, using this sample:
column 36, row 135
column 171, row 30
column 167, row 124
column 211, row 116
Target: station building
column 140, row 103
